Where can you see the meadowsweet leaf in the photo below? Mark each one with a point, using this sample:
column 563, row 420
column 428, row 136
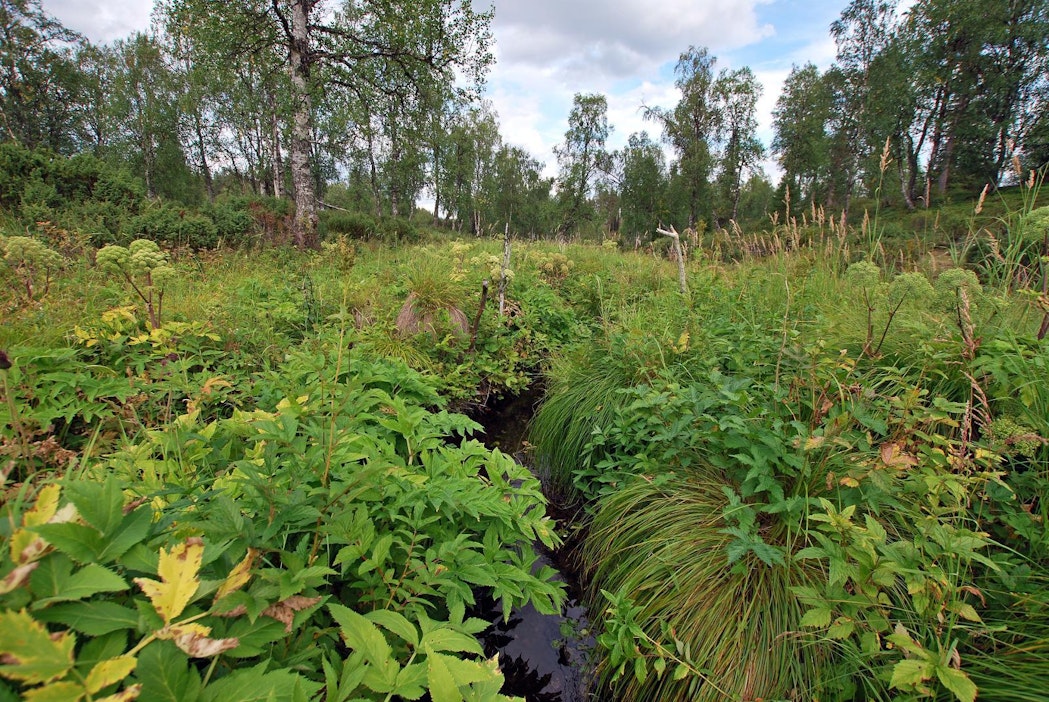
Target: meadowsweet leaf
column 29, row 652
column 239, row 576
column 78, row 541
column 284, row 611
column 89, row 580
column 396, row 623
column 44, row 508
column 92, row 618
column 107, row 672
column 195, row 641
column 178, row 579
column 906, row 674
column 100, row 504
column 957, row 682
column 62, row 691
column 440, row 681
column 165, row 674
column 450, row 640
column 841, row 629
column 361, row 635
column 817, row 617
column 17, row 577
column 680, row 672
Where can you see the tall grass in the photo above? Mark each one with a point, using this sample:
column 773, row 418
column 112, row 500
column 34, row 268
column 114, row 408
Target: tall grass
column 664, row 546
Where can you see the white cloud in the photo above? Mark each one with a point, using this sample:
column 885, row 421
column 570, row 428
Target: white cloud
column 102, row 22
column 619, row 38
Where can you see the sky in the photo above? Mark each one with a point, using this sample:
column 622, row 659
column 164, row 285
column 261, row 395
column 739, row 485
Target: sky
column 549, row 50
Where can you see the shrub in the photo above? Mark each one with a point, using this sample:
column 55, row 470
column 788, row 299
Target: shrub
column 175, row 226
column 355, row 225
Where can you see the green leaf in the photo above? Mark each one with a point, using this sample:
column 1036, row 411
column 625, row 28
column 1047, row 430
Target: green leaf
column 396, row 623
column 957, row 682
column 166, row 675
column 88, row 581
column 133, row 529
column 29, row 652
column 965, row 611
column 681, row 671
column 255, row 685
column 841, row 629
column 100, row 504
column 640, row 672
column 442, row 684
column 81, row 543
column 361, row 635
column 91, row 618
column 449, row 640
column 908, row 673
column 817, row 617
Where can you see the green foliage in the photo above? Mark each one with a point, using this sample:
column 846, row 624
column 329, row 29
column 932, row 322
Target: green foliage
column 336, row 487
column 174, row 226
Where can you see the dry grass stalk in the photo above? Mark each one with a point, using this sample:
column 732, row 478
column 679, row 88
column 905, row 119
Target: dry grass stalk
column 886, row 159
column 983, row 196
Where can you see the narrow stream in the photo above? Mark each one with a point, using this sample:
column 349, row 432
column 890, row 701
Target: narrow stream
column 545, row 658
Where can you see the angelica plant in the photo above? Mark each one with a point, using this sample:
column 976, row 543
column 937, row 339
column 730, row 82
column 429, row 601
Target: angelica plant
column 31, row 262
column 145, row 268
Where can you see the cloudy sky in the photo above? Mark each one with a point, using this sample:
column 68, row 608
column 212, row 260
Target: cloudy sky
column 549, row 50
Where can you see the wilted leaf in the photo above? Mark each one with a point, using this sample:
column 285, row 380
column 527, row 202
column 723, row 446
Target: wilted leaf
column 17, row 577
column 284, row 611
column 178, row 574
column 895, row 457
column 194, row 640
column 28, row 651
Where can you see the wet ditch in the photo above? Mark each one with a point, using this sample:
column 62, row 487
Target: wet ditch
column 544, row 658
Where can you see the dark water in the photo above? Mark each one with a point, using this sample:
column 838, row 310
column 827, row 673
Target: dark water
column 545, row 658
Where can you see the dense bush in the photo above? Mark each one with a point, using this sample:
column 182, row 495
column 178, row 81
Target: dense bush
column 174, row 226
column 356, row 225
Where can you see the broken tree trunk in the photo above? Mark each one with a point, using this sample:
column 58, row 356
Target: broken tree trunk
column 676, row 238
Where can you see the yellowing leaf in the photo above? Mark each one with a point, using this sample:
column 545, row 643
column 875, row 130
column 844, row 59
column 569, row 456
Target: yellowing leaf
column 239, row 576
column 178, row 579
column 849, row 482
column 29, row 653
column 63, row 691
column 40, row 513
column 45, row 507
column 105, row 673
